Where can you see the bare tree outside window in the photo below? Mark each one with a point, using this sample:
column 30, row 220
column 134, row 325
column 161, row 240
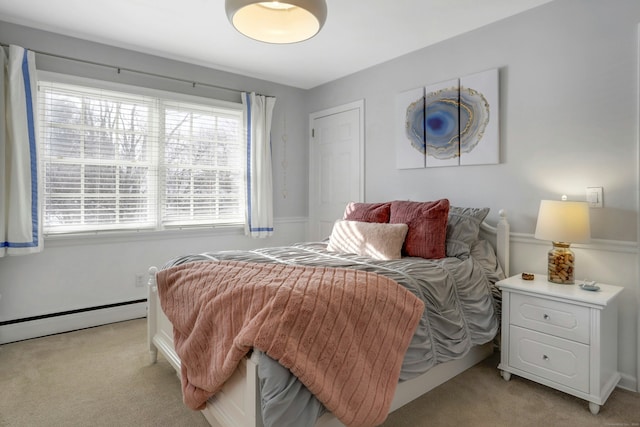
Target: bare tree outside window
column 115, row 160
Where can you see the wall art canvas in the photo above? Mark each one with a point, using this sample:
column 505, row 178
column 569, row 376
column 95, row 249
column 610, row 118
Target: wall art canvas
column 442, row 124
column 455, row 122
column 479, row 119
column 410, row 145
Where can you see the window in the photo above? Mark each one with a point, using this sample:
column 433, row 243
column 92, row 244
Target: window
column 114, row 160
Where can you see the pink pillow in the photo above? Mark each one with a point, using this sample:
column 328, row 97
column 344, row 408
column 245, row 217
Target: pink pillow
column 427, row 221
column 375, row 240
column 368, row 212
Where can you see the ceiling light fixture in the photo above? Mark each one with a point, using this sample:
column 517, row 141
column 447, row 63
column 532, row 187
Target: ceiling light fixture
column 275, row 21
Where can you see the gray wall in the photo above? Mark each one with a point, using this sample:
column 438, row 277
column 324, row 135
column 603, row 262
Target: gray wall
column 568, row 85
column 74, row 273
column 289, row 119
column 568, row 120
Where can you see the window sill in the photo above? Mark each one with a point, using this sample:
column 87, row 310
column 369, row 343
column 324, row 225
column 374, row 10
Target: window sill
column 127, row 236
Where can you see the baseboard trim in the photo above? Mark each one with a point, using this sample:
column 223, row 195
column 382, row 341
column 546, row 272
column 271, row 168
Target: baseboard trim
column 71, row 321
column 627, row 382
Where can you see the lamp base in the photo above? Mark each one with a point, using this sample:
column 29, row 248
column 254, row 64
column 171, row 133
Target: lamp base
column 561, row 263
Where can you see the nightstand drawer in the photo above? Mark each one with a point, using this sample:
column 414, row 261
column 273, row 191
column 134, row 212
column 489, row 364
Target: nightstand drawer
column 551, row 317
column 556, row 359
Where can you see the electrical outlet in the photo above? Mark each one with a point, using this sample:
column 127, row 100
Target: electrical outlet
column 140, row 280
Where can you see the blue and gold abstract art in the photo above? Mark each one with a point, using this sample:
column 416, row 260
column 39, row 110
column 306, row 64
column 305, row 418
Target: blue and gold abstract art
column 451, row 123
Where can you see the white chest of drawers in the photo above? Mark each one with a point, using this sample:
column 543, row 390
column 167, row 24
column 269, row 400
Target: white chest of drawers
column 561, row 336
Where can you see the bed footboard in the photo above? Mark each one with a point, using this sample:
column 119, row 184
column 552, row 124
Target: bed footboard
column 159, row 328
column 237, row 404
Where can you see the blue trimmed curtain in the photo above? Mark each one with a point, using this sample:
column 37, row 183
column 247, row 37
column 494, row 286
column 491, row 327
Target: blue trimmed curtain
column 258, row 112
column 20, row 213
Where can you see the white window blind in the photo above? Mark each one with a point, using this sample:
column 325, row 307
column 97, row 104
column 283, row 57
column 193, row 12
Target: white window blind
column 116, row 160
column 203, row 165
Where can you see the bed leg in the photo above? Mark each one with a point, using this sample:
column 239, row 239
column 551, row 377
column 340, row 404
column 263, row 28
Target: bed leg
column 153, row 355
column 152, row 314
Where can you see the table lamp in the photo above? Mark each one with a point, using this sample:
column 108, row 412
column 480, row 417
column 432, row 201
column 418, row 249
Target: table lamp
column 563, row 223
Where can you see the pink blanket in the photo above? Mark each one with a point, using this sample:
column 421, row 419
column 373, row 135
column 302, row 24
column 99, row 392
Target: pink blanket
column 342, row 332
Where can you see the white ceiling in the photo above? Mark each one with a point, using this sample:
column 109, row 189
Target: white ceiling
column 357, row 34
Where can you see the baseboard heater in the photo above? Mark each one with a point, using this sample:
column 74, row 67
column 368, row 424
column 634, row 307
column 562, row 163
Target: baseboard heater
column 66, row 321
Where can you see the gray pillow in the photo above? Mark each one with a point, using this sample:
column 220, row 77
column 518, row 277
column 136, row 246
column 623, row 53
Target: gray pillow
column 463, row 227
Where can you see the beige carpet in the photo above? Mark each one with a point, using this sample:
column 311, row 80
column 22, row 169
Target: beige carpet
column 102, row 377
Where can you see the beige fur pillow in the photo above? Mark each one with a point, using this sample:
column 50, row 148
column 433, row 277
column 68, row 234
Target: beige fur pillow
column 376, row 240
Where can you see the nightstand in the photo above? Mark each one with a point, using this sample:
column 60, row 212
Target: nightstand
column 561, row 336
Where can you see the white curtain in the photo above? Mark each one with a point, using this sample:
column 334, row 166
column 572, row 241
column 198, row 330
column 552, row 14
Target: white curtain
column 20, row 213
column 258, row 111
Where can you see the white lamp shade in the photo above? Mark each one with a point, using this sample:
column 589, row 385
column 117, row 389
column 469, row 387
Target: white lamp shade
column 290, row 21
column 563, row 221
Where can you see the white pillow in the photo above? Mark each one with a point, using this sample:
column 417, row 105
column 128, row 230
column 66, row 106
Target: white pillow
column 380, row 241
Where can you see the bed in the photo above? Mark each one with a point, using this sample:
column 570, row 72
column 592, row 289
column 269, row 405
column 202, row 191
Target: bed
column 382, row 241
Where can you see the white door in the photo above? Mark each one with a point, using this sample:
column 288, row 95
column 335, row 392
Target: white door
column 336, row 165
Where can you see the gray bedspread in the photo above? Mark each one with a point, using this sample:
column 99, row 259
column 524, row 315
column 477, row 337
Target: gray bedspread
column 462, row 308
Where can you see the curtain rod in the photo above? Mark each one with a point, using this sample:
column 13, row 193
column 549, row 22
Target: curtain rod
column 131, row 70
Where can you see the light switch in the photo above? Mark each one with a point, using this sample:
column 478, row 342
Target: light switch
column 594, row 197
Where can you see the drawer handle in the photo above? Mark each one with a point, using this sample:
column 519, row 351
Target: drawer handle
column 546, row 317
column 545, row 357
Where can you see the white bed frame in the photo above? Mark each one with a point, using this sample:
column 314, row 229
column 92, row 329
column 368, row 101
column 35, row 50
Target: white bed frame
column 238, row 403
